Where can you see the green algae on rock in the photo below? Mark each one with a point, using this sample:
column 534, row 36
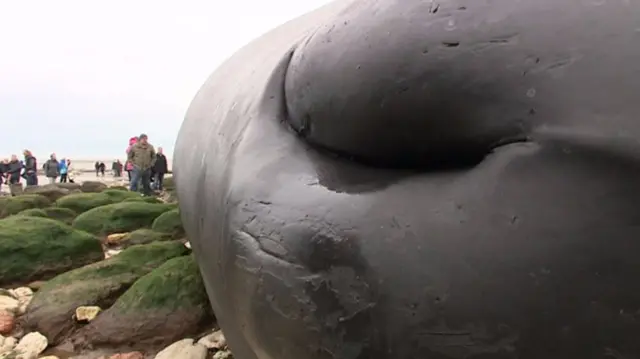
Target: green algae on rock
column 33, row 248
column 17, row 204
column 33, row 212
column 119, row 217
column 82, row 202
column 144, row 236
column 118, row 196
column 169, row 222
column 63, row 215
column 93, row 187
column 163, row 306
column 51, row 310
column 148, row 199
column 51, row 191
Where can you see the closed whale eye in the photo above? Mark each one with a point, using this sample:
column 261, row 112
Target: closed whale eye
column 406, row 98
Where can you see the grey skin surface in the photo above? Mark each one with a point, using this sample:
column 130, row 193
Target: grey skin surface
column 415, row 179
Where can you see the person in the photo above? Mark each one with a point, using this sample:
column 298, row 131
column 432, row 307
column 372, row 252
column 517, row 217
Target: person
column 128, row 166
column 69, row 171
column 4, row 169
column 52, row 169
column 114, row 168
column 160, row 169
column 30, row 168
column 63, row 168
column 143, row 156
column 14, row 168
column 97, row 168
column 102, row 167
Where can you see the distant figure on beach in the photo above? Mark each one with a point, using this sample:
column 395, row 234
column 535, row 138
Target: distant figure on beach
column 63, row 168
column 52, row 168
column 69, row 171
column 14, row 167
column 102, row 167
column 116, row 167
column 128, row 166
column 97, row 167
column 143, row 156
column 4, row 169
column 30, row 168
column 160, row 169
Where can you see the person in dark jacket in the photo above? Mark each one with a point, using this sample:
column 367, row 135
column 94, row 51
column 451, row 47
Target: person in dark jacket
column 52, row 169
column 4, row 169
column 102, row 167
column 160, row 168
column 97, row 167
column 30, row 168
column 14, row 168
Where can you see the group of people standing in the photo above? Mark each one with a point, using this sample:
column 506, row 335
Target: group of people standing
column 145, row 165
column 13, row 170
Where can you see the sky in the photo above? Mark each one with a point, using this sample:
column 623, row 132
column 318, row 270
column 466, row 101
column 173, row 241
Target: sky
column 79, row 77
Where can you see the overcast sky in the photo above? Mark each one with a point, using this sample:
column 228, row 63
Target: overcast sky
column 79, row 77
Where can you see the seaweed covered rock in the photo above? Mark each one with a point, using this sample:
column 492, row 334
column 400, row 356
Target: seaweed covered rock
column 119, row 217
column 51, row 191
column 170, row 223
column 99, row 284
column 93, row 187
column 119, row 188
column 17, row 204
column 33, row 212
column 32, row 248
column 82, row 202
column 64, row 215
column 118, row 196
column 148, row 199
column 143, row 236
column 163, row 306
column 70, row 186
column 169, row 184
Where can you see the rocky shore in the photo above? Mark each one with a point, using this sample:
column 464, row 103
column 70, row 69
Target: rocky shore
column 91, row 271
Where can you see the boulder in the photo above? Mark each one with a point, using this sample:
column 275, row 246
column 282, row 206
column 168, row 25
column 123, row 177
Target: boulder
column 118, row 196
column 170, row 223
column 64, row 215
column 99, row 284
column 51, row 191
column 119, row 188
column 93, row 187
column 33, row 212
column 69, row 186
column 7, row 344
column 169, row 184
column 119, row 217
column 33, row 248
column 30, row 346
column 148, row 199
column 143, row 236
column 17, row 204
column 82, row 202
column 183, row 349
column 163, row 306
column 215, row 340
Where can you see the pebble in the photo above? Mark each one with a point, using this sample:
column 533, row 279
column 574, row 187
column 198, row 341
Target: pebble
column 9, row 304
column 7, row 344
column 131, row 355
column 49, row 357
column 7, row 322
column 187, row 244
column 215, row 340
column 31, row 345
column 87, row 313
column 116, row 238
column 223, row 354
column 183, row 349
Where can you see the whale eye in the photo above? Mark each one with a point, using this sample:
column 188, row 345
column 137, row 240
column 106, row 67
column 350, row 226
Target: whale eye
column 379, row 98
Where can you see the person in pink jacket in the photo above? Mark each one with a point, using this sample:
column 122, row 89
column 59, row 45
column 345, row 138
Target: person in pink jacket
column 129, row 166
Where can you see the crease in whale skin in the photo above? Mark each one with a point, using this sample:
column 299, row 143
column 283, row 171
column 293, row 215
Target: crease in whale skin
column 313, row 245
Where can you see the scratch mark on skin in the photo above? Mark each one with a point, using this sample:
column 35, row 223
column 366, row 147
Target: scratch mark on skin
column 249, row 239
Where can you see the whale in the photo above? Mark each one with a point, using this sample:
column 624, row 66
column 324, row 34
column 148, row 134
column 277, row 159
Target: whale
column 437, row 179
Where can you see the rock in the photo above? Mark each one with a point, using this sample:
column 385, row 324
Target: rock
column 17, row 204
column 119, row 217
column 223, row 354
column 116, row 238
column 9, row 304
column 36, row 285
column 7, row 322
column 31, row 345
column 33, row 248
column 87, row 313
column 167, row 304
column 144, row 236
column 52, row 192
column 22, row 294
column 184, row 349
column 64, row 215
column 82, row 202
column 33, row 212
column 170, row 223
column 49, row 357
column 111, row 253
column 148, row 199
column 7, row 344
column 130, row 355
column 69, row 186
column 118, row 196
column 215, row 340
column 98, row 284
column 93, row 187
